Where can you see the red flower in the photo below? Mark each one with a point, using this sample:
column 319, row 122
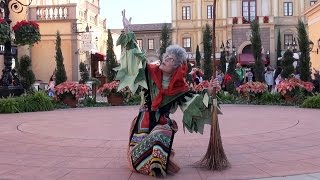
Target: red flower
column 73, row 89
column 265, row 19
column 288, row 85
column 26, row 32
column 234, row 20
column 112, row 87
column 252, row 87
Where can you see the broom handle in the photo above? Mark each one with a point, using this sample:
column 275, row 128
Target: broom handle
column 214, row 69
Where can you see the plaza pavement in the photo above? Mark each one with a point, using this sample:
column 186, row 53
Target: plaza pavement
column 270, row 142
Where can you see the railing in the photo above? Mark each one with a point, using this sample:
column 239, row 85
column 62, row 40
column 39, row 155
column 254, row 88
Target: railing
column 53, row 12
column 242, row 20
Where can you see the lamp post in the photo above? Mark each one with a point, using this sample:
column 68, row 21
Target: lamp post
column 228, row 52
column 9, row 83
column 227, row 49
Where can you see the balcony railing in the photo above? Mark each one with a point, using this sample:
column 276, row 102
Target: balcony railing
column 53, row 12
column 242, row 20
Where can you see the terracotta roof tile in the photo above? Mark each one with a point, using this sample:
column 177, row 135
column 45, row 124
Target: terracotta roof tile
column 148, row 27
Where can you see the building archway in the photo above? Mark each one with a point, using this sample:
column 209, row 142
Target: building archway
column 246, row 56
column 243, row 45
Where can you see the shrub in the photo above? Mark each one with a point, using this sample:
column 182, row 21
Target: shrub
column 269, row 98
column 4, row 31
column 8, row 105
column 312, row 102
column 37, row 101
column 25, row 72
column 226, row 98
column 133, row 100
column 41, row 101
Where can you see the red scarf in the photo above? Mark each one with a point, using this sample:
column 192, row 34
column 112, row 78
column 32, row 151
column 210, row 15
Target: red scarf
column 177, row 83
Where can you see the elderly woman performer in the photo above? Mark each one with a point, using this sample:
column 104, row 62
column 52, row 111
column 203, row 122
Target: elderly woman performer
column 165, row 89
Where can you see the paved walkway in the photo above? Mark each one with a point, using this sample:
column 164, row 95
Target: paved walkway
column 90, row 143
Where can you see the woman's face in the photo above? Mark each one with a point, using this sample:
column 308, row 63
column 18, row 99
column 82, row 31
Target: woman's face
column 168, row 64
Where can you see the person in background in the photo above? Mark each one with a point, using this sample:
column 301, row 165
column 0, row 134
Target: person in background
column 240, row 72
column 316, row 80
column 249, row 75
column 198, row 79
column 51, row 86
column 220, row 76
column 277, row 77
column 296, row 74
column 268, row 77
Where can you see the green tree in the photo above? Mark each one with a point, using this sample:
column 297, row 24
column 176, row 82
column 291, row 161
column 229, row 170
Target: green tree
column 279, row 45
column 60, row 74
column 223, row 62
column 286, row 64
column 230, row 86
column 25, row 72
column 207, row 51
column 304, row 59
column 278, row 48
column 164, row 39
column 84, row 74
column 198, row 57
column 256, row 50
column 189, row 76
column 111, row 59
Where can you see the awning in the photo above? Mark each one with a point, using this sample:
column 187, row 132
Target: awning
column 99, row 57
column 248, row 59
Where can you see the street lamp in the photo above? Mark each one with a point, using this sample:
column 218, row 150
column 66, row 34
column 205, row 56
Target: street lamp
column 9, row 83
column 226, row 51
column 294, row 45
column 311, row 44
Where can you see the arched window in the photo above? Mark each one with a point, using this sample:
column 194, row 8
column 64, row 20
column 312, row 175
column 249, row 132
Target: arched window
column 249, row 10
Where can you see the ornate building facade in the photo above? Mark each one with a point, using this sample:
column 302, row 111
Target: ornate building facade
column 313, row 18
column 83, row 35
column 233, row 24
column 148, row 38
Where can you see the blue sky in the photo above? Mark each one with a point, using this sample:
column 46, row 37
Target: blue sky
column 141, row 11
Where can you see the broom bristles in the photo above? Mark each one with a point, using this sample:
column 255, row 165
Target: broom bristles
column 215, row 157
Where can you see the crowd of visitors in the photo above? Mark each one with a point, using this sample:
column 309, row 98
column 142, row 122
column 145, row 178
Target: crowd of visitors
column 272, row 77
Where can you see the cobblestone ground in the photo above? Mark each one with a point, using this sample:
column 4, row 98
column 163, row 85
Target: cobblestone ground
column 90, row 143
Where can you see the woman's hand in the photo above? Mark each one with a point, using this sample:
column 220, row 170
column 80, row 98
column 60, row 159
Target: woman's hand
column 125, row 21
column 214, row 83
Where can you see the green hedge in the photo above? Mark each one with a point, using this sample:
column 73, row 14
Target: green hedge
column 37, row 101
column 312, row 102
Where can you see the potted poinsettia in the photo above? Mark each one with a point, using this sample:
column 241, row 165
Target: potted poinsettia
column 265, row 19
column 252, row 89
column 4, row 31
column 290, row 88
column 202, row 87
column 110, row 90
column 26, row 33
column 70, row 92
column 234, row 20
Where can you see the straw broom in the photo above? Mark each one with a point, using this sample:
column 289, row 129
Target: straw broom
column 215, row 157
